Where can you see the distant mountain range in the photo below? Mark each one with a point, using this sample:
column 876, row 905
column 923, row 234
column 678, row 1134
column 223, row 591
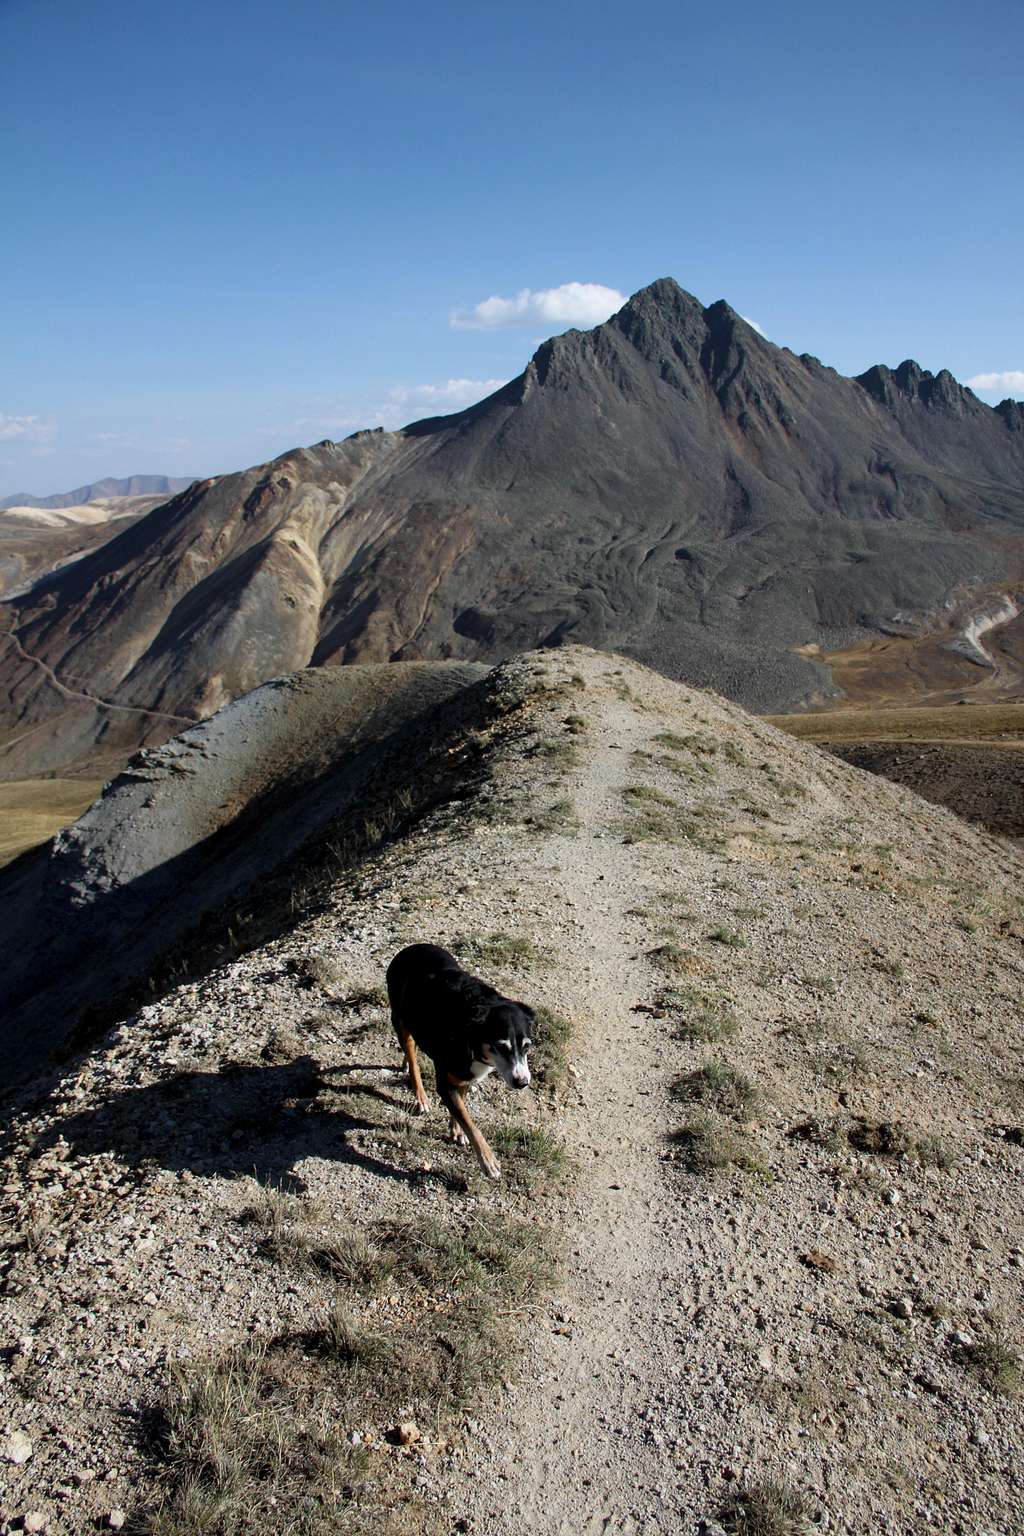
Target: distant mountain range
column 133, row 485
column 670, row 484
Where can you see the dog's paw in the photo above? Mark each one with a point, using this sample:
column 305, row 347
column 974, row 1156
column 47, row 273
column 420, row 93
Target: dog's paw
column 491, row 1167
column 459, row 1136
column 422, row 1107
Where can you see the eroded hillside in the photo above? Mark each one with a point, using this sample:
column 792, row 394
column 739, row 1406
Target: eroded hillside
column 776, row 1164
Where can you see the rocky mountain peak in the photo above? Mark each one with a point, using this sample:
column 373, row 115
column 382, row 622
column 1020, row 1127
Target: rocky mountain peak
column 1012, row 412
column 912, row 383
column 669, row 482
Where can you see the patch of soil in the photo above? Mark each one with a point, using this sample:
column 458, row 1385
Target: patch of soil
column 983, row 784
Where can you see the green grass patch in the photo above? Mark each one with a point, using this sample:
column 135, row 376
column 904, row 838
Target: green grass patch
column 529, row 1155
column 730, row 937
column 549, row 1058
column 647, row 795
column 706, row 1145
column 562, row 754
column 694, row 741
column 560, row 817
column 268, row 1427
column 652, row 824
column 704, row 1017
column 505, row 951
column 670, row 958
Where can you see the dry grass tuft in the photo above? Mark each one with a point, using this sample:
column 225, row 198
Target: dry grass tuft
column 317, row 971
column 996, row 1365
column 719, row 1086
column 706, row 1145
column 766, row 1508
column 271, row 1426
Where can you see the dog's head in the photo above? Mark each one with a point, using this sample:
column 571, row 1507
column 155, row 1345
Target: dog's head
column 509, row 1035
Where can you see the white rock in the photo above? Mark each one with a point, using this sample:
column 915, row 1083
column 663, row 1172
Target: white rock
column 17, row 1447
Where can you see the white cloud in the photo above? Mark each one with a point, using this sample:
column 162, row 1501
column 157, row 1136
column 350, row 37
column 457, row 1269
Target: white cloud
column 571, row 304
column 330, row 424
column 33, row 429
column 1011, row 382
column 403, row 403
column 453, row 393
column 754, row 325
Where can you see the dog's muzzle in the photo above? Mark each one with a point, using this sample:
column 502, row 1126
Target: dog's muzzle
column 521, row 1078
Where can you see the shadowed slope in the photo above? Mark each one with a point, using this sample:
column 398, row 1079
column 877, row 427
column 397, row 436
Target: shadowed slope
column 185, row 834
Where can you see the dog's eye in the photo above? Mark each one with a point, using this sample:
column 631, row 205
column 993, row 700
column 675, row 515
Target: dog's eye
column 503, row 1045
column 527, row 1044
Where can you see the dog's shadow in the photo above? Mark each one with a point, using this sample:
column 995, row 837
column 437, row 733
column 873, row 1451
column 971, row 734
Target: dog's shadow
column 259, row 1120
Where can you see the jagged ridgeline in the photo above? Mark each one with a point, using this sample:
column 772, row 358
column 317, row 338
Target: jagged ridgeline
column 670, row 485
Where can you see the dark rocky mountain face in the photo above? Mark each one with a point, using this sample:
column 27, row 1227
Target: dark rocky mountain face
column 670, row 484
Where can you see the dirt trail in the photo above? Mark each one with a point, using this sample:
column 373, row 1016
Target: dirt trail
column 560, row 1442
column 88, row 698
column 692, row 1348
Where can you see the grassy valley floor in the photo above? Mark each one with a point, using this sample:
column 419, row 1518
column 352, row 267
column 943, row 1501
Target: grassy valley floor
column 33, row 810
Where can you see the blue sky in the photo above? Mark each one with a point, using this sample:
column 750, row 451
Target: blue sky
column 232, row 227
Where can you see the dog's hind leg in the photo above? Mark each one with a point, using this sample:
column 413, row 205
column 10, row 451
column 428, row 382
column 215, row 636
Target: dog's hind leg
column 451, row 1094
column 408, row 1045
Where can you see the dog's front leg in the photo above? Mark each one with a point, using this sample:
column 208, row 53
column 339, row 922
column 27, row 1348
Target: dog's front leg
column 451, row 1093
column 408, row 1045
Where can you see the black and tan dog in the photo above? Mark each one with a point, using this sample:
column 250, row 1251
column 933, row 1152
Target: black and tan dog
column 465, row 1027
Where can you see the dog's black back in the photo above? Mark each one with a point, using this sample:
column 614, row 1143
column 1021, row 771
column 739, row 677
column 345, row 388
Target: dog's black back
column 460, row 1022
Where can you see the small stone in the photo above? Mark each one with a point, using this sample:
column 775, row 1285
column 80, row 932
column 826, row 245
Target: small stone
column 34, row 1521
column 84, row 1475
column 815, row 1259
column 17, row 1447
column 405, row 1434
column 893, row 1197
column 116, row 1519
column 150, row 1299
column 902, row 1308
column 980, row 1437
